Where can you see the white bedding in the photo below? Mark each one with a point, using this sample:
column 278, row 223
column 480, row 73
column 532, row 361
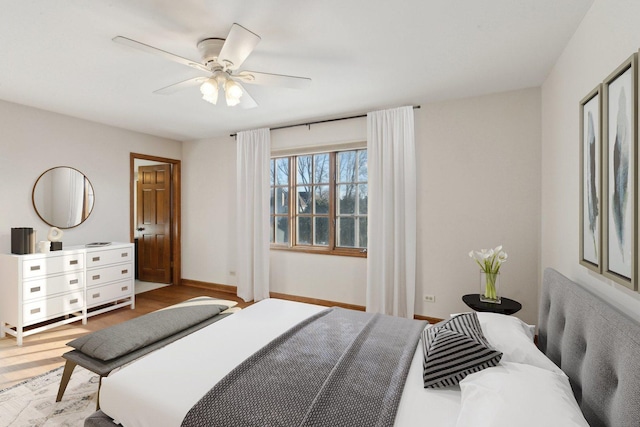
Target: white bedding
column 159, row 389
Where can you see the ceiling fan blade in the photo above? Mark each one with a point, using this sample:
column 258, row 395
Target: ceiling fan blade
column 239, row 44
column 267, row 79
column 182, row 85
column 150, row 49
column 246, row 101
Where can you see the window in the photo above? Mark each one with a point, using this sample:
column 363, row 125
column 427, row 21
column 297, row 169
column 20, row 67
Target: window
column 328, row 213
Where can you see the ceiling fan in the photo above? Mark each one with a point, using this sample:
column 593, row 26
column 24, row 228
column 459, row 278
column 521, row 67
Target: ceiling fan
column 221, row 60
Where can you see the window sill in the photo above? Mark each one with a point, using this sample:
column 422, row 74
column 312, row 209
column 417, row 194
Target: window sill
column 356, row 253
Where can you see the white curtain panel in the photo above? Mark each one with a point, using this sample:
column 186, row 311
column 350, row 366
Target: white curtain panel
column 391, row 259
column 253, row 157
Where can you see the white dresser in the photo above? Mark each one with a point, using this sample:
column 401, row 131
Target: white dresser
column 109, row 278
column 43, row 291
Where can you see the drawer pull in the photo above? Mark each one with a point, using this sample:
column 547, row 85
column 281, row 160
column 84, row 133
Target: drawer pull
column 35, row 268
column 73, row 262
column 35, row 310
column 73, row 282
column 73, row 301
column 124, row 254
column 124, row 288
column 125, row 271
column 95, row 258
column 36, row 289
column 96, row 277
column 96, row 295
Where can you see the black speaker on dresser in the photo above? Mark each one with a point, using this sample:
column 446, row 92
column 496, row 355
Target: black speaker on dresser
column 22, row 240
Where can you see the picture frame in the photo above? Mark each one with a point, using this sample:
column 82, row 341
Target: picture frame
column 591, row 180
column 620, row 174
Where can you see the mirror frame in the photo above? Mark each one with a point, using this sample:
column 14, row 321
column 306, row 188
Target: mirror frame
column 33, row 200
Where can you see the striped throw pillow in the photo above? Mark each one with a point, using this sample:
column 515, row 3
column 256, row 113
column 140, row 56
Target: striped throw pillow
column 453, row 349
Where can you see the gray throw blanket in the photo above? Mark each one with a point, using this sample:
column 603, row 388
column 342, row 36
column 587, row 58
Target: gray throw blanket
column 338, row 368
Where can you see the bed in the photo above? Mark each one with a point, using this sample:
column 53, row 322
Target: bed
column 576, row 329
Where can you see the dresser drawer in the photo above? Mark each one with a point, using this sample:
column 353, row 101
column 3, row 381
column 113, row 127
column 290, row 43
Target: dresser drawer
column 40, row 288
column 108, row 293
column 47, row 266
column 106, row 257
column 37, row 311
column 100, row 276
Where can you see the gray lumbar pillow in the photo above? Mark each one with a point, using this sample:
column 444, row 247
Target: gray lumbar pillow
column 453, row 349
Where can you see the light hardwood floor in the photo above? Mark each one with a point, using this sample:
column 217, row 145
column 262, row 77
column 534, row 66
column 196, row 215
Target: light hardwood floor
column 42, row 352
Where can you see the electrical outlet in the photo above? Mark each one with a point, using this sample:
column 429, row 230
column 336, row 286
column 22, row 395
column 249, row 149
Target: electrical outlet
column 430, row 298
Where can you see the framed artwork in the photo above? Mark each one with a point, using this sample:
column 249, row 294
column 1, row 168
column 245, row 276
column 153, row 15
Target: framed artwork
column 620, row 222
column 591, row 180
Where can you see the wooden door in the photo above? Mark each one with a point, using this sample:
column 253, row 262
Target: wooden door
column 154, row 223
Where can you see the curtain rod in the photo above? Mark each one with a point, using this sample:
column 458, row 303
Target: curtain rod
column 415, row 107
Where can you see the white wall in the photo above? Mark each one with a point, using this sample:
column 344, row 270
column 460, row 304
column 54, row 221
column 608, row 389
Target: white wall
column 607, row 36
column 208, row 210
column 478, row 187
column 493, row 138
column 35, row 140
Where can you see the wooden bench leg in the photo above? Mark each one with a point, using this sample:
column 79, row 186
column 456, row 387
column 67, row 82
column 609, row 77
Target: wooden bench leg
column 66, row 375
column 98, row 395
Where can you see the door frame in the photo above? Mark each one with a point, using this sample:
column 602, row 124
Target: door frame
column 176, row 249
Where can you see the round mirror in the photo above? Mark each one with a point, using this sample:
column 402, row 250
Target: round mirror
column 63, row 197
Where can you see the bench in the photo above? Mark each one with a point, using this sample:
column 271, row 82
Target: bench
column 107, row 349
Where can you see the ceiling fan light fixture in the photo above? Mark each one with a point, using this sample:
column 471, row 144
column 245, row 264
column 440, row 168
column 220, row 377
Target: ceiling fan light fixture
column 209, row 90
column 232, row 92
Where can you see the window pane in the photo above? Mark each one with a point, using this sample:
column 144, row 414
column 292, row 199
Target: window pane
column 282, row 200
column 273, row 168
column 322, row 199
column 282, row 232
column 346, row 199
column 282, row 171
column 304, row 199
column 304, row 170
column 322, row 231
column 346, row 232
column 362, row 232
column 346, row 166
column 321, row 168
column 362, row 166
column 304, row 230
column 271, row 203
column 272, row 226
column 363, row 199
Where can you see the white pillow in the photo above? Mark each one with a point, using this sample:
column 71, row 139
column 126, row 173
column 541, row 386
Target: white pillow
column 514, row 339
column 514, row 394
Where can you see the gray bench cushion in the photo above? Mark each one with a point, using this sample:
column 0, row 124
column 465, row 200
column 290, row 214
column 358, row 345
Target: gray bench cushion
column 135, row 334
column 103, row 368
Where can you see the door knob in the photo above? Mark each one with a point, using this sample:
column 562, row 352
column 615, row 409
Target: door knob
column 140, row 228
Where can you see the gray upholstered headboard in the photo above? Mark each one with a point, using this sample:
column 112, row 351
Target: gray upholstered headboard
column 597, row 346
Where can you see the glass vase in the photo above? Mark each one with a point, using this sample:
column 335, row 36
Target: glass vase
column 490, row 287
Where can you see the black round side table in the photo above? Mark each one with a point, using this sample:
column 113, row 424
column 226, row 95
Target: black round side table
column 507, row 306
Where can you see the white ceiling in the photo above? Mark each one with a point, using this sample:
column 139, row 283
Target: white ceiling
column 361, row 55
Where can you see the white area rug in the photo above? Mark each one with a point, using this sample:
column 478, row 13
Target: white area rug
column 32, row 403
